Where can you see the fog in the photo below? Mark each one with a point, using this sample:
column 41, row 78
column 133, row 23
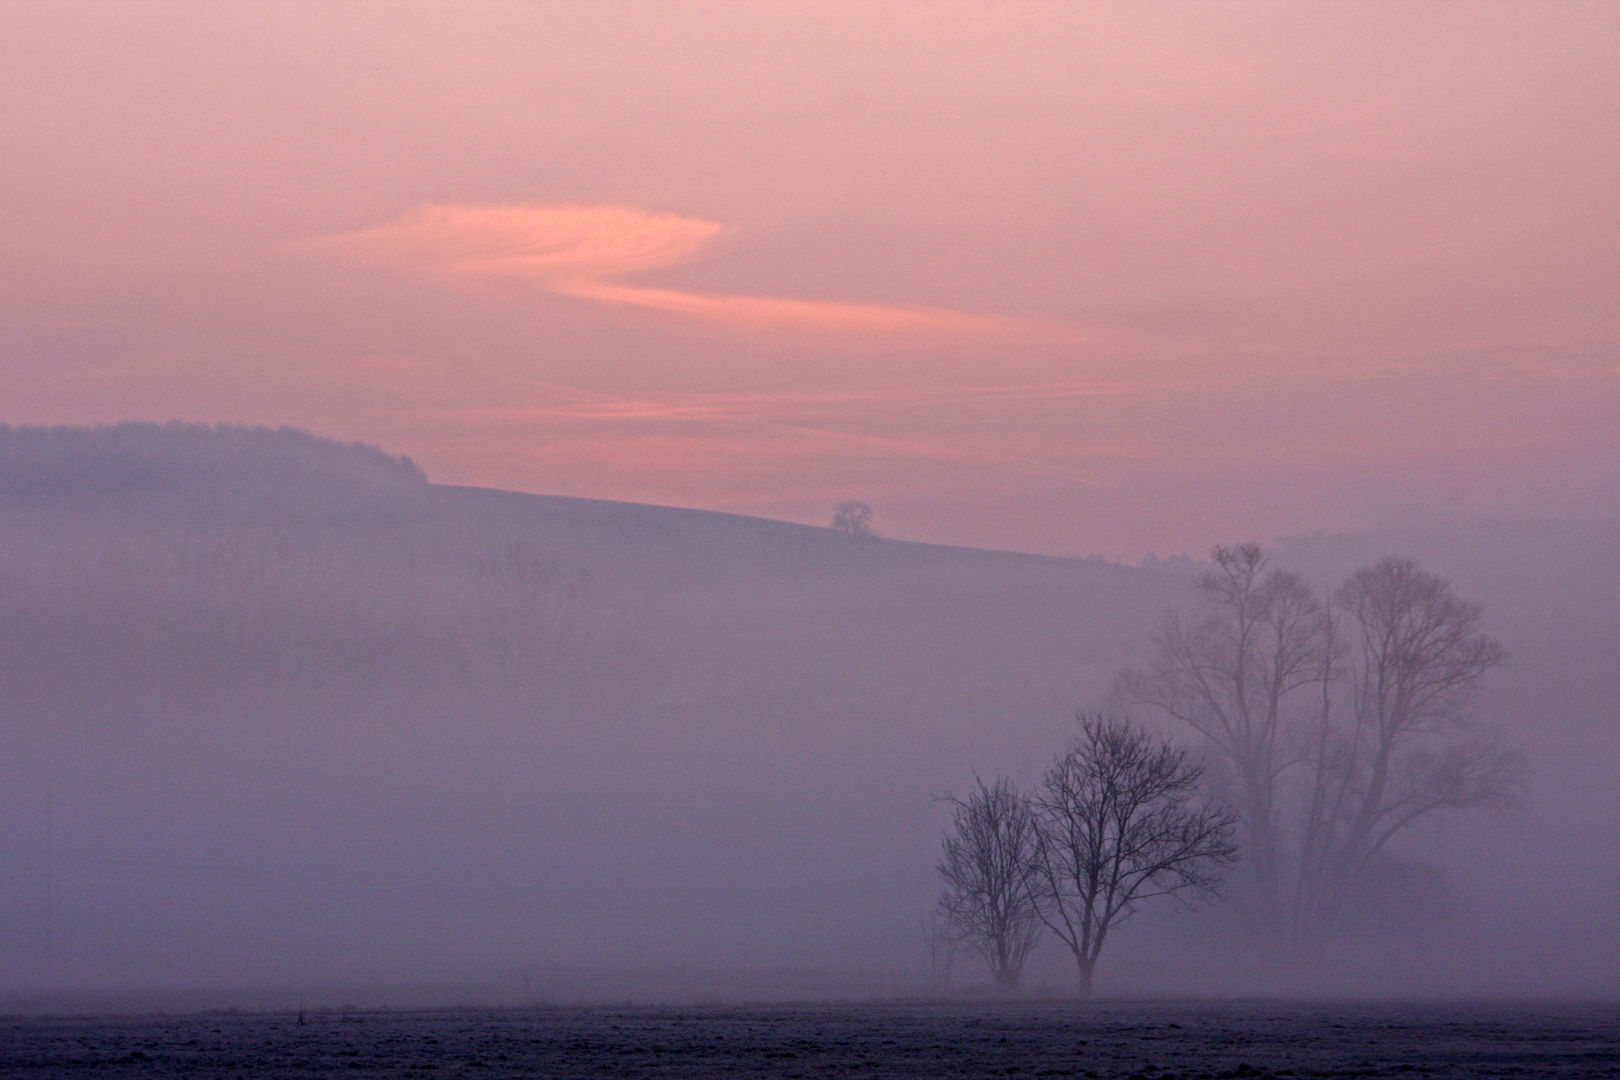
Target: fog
column 560, row 686
column 285, row 722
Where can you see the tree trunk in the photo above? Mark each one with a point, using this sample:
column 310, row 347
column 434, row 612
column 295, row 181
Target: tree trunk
column 1086, row 968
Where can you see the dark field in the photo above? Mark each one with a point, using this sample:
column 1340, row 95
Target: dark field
column 1159, row 1041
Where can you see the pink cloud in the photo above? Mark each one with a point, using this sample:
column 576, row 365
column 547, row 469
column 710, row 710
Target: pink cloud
column 586, row 251
column 549, row 246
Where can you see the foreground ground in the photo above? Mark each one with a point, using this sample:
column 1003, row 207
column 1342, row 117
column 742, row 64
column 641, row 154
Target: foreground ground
column 1155, row 1041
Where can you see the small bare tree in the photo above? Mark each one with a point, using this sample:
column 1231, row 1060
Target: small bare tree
column 986, row 867
column 940, row 942
column 1117, row 828
column 854, row 519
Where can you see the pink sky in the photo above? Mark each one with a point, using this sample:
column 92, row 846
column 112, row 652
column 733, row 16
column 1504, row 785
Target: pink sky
column 1057, row 277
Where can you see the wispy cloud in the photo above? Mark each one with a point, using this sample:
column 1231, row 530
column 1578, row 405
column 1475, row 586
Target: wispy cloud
column 587, row 251
column 555, row 247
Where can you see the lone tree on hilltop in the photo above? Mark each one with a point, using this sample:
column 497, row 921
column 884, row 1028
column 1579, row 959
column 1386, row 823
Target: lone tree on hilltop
column 1117, row 827
column 854, row 519
column 987, row 867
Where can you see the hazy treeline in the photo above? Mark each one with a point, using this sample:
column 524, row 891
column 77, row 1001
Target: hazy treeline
column 174, row 554
column 131, row 458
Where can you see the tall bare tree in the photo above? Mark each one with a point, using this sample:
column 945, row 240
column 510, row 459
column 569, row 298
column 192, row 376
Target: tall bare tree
column 1118, row 827
column 986, row 867
column 1408, row 748
column 1239, row 669
column 1342, row 725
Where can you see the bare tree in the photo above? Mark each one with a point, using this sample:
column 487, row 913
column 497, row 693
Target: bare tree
column 1341, row 725
column 1118, row 828
column 854, row 519
column 986, row 869
column 1237, row 671
column 1409, row 748
column 940, row 942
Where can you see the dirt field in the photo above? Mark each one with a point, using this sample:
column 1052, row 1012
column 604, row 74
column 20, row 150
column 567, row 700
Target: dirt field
column 1106, row 1040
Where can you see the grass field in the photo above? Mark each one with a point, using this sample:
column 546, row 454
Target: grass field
column 1103, row 1040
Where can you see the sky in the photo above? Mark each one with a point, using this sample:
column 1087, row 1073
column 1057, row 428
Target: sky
column 1067, row 278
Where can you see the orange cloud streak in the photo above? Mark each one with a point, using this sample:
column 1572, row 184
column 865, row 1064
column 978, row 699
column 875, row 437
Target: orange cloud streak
column 582, row 251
